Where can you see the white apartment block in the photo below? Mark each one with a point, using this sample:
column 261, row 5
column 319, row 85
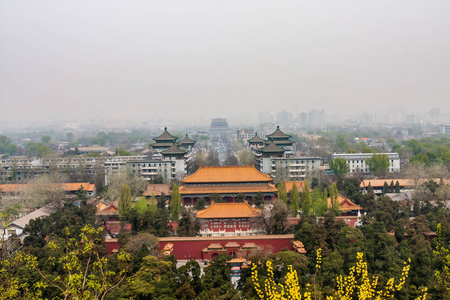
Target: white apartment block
column 357, row 161
column 293, row 168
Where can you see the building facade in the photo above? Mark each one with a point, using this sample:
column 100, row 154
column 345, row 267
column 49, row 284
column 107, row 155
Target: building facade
column 230, row 219
column 357, row 161
column 226, row 182
column 170, row 160
column 274, row 157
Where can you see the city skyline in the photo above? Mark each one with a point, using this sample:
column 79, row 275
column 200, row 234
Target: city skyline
column 183, row 62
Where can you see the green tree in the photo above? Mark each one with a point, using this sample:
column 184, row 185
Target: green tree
column 69, row 137
column 216, row 280
column 190, row 274
column 385, row 188
column 201, row 203
column 124, row 199
column 85, row 271
column 6, row 146
column 416, row 207
column 321, row 205
column 334, row 195
column 240, row 197
column 370, row 188
column 295, row 200
column 339, row 166
column 216, row 198
column 306, row 200
column 258, row 199
column 275, row 220
column 154, row 279
column 378, row 163
column 175, row 202
column 397, row 187
column 46, row 139
column 391, row 187
column 81, row 193
column 282, row 194
column 187, row 226
column 341, row 144
column 11, row 149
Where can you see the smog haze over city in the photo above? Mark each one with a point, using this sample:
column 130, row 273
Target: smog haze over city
column 179, row 61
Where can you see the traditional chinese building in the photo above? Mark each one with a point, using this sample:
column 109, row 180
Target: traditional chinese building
column 230, row 219
column 226, row 182
column 169, row 161
column 162, row 142
column 346, row 206
column 282, row 140
column 274, row 156
column 203, row 249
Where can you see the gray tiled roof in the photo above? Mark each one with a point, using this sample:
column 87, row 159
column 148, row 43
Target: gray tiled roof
column 41, row 212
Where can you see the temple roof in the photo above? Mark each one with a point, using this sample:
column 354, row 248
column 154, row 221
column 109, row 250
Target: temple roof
column 111, row 209
column 157, row 189
column 162, row 145
column 173, row 150
column 256, row 139
column 187, row 141
column 278, row 134
column 227, row 174
column 290, row 184
column 272, row 148
column 232, row 245
column 165, row 136
column 228, row 211
column 280, row 142
column 401, row 182
column 67, row 187
column 250, row 245
column 345, row 204
column 227, row 189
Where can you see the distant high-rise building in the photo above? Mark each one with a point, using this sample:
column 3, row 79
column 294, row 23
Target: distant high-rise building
column 303, row 119
column 445, row 129
column 284, row 117
column 434, row 113
column 245, row 134
column 317, row 117
column 265, row 117
column 411, row 118
column 366, row 118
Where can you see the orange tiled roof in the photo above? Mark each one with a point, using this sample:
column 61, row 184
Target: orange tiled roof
column 227, row 189
column 215, row 246
column 236, row 260
column 290, row 184
column 227, row 174
column 157, row 189
column 76, row 186
column 249, row 245
column 100, row 205
column 401, row 182
column 232, row 245
column 111, row 209
column 228, row 211
column 345, row 204
column 68, row 187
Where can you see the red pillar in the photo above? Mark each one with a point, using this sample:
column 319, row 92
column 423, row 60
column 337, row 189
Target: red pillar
column 233, row 198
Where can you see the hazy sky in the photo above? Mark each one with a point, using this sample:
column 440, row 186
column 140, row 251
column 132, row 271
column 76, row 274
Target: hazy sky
column 187, row 59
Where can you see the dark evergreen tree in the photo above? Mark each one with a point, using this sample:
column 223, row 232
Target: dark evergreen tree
column 397, row 187
column 385, row 188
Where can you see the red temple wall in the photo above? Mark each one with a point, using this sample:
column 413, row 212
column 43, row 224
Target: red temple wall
column 186, row 248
